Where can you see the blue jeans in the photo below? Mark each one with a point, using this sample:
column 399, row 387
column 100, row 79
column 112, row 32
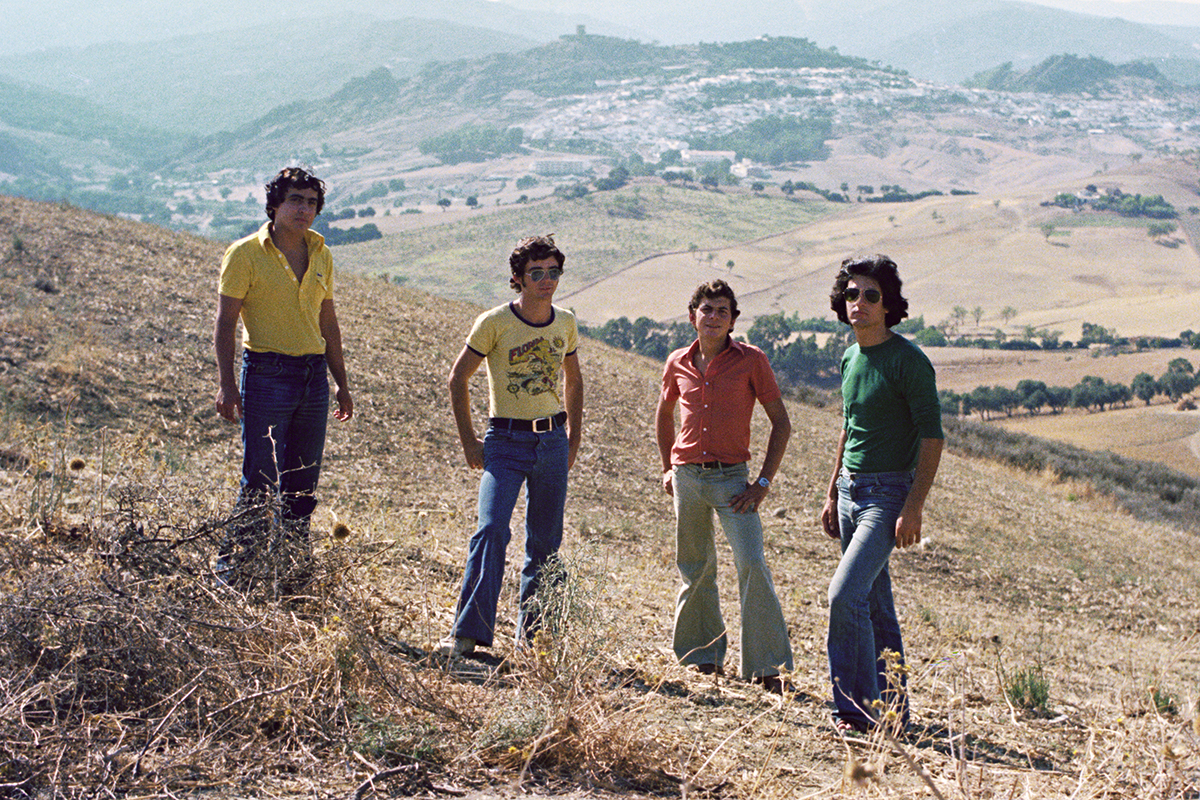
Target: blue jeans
column 510, row 459
column 862, row 614
column 699, row 636
column 285, row 410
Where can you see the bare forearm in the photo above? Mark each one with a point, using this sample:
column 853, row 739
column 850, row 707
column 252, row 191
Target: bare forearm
column 777, row 441
column 336, row 360
column 573, row 389
column 928, row 458
column 664, row 432
column 460, row 403
column 224, row 337
column 837, row 465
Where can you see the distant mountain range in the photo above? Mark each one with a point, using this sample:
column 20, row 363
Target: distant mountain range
column 1067, row 74
column 942, row 40
column 203, row 83
column 205, row 68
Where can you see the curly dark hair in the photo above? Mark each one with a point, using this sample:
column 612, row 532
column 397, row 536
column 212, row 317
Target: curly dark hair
column 292, row 178
column 710, row 290
column 884, row 271
column 532, row 248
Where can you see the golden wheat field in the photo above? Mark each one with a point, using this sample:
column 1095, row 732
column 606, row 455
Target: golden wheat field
column 1054, row 641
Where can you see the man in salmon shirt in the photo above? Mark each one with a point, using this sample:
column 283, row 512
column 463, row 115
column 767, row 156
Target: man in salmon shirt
column 279, row 282
column 716, row 382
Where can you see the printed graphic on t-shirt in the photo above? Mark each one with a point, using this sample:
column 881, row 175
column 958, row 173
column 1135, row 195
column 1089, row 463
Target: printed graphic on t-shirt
column 534, row 366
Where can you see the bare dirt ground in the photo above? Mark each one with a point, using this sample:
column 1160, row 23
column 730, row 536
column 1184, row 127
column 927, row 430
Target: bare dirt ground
column 1017, row 576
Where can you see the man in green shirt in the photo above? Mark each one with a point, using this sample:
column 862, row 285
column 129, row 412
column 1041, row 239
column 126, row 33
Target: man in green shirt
column 887, row 457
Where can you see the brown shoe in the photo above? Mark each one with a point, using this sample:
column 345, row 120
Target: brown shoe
column 776, row 684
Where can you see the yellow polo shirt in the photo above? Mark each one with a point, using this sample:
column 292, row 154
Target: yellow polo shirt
column 279, row 313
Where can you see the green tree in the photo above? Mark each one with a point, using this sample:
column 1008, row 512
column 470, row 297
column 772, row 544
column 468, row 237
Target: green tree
column 1059, row 397
column 1160, row 230
column 1178, row 380
column 1091, row 333
column 984, row 401
column 1144, row 387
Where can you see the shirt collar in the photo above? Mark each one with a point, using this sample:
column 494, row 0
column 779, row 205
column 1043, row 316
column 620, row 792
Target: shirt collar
column 313, row 239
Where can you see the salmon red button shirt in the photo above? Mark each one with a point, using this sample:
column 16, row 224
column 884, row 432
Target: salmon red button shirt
column 716, row 407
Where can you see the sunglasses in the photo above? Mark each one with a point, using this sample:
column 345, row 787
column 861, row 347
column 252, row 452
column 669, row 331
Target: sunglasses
column 873, row 295
column 554, row 273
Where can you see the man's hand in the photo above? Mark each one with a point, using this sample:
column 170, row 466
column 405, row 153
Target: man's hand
column 829, row 519
column 908, row 526
column 473, row 450
column 345, row 409
column 229, row 404
column 748, row 499
column 668, row 484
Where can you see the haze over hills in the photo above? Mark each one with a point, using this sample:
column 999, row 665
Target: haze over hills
column 932, row 39
column 942, row 40
column 207, row 82
column 518, row 138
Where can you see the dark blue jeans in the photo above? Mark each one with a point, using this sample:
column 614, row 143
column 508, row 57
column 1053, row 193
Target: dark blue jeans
column 285, row 410
column 512, row 459
column 862, row 614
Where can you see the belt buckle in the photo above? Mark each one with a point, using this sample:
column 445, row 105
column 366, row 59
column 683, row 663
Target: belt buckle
column 537, row 423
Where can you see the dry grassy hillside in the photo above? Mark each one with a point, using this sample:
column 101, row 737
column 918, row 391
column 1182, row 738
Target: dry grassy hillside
column 1022, row 582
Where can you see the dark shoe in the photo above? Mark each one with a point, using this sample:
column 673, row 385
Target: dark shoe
column 847, row 727
column 776, row 684
column 709, row 669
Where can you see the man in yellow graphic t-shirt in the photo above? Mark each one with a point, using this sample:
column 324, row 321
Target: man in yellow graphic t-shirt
column 532, row 437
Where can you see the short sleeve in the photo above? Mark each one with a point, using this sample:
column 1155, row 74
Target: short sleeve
column 235, row 274
column 482, row 337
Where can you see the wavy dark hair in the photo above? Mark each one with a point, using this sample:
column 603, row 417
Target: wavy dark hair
column 532, row 248
column 292, row 178
column 884, row 271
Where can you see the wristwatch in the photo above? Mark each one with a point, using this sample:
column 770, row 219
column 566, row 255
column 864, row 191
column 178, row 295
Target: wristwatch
column 764, row 482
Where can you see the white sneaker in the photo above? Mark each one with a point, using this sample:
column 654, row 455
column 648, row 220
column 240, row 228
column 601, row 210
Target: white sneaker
column 455, row 646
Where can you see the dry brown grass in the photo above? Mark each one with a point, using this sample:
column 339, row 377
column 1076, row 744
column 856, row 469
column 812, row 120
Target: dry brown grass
column 1150, row 433
column 130, row 675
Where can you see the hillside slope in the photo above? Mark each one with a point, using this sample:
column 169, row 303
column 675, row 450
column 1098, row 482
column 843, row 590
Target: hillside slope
column 106, row 323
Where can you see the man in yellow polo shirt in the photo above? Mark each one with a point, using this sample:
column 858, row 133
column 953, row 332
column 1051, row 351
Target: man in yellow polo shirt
column 279, row 282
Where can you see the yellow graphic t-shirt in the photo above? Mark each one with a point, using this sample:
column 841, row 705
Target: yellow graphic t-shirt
column 524, row 361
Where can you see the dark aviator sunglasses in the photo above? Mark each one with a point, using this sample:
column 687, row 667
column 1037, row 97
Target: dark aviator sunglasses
column 873, row 295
